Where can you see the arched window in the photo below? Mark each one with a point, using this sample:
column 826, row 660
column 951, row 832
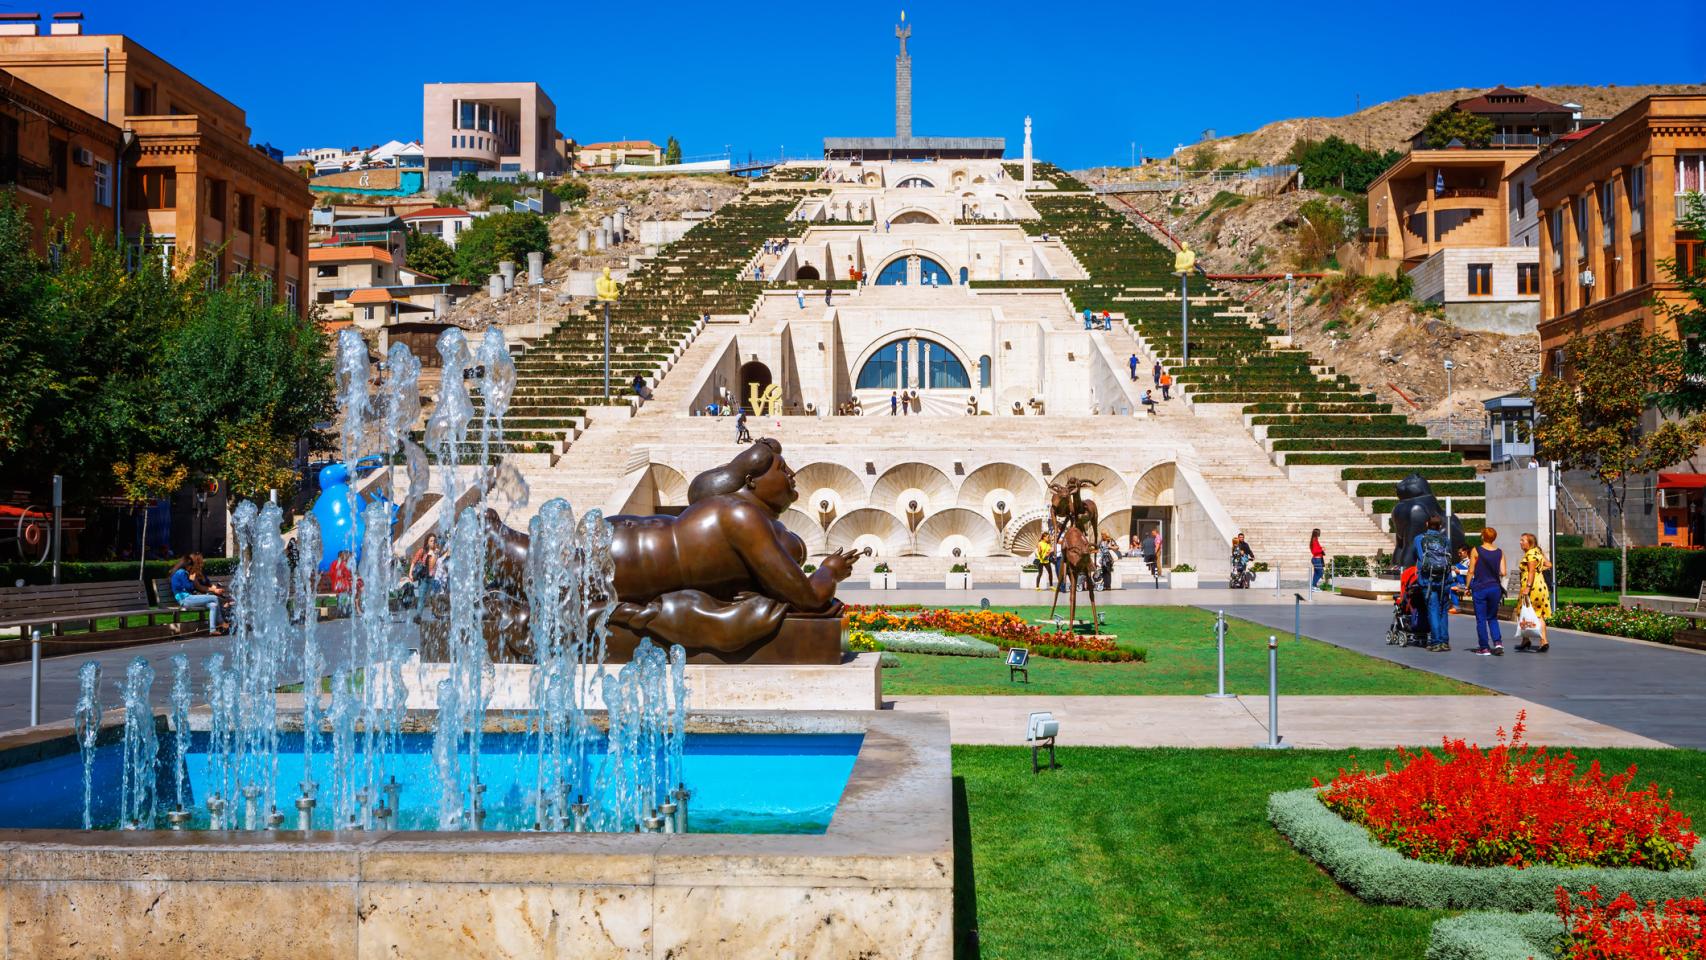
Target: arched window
column 983, row 371
column 915, row 183
column 929, row 272
column 913, row 364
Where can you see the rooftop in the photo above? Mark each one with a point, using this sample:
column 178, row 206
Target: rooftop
column 1503, row 99
column 436, row 212
column 344, row 254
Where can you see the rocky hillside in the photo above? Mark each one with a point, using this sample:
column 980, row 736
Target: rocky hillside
column 1390, row 125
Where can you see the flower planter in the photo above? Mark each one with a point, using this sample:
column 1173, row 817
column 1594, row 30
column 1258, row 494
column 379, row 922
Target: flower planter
column 882, row 581
column 1182, row 581
column 1265, row 580
column 958, row 581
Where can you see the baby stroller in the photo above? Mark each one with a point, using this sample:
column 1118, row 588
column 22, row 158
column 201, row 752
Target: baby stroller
column 1409, row 627
column 1240, row 578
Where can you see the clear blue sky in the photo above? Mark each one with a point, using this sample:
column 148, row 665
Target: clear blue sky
column 1094, row 76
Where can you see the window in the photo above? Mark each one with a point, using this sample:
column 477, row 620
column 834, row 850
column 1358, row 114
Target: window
column 59, row 158
column 142, row 101
column 1607, row 212
column 1480, row 279
column 151, row 250
column 291, row 298
column 1528, row 279
column 1555, row 227
column 325, row 272
column 8, row 140
column 103, row 183
column 1690, row 172
column 216, row 201
column 465, row 116
column 1690, row 256
column 269, row 225
column 245, row 213
column 983, row 372
column 293, row 236
column 1581, row 218
column 1637, row 198
column 896, row 366
column 155, row 189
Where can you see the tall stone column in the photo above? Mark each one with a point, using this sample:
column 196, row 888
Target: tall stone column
column 903, row 83
column 1027, row 153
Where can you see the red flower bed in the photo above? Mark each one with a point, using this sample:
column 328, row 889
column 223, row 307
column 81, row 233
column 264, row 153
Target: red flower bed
column 1624, row 929
column 1001, row 627
column 1512, row 805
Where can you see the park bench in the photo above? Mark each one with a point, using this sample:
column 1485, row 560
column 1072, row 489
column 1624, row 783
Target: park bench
column 51, row 608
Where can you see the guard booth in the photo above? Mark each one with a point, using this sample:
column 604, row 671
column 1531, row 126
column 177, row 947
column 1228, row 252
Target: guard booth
column 1682, row 510
column 1510, row 430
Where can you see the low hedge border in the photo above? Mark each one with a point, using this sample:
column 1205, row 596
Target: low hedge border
column 1485, row 935
column 1379, row 874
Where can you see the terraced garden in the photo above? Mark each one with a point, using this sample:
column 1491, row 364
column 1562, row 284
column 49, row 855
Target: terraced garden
column 1304, row 412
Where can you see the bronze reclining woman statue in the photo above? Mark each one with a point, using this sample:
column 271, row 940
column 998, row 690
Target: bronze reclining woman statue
column 723, row 579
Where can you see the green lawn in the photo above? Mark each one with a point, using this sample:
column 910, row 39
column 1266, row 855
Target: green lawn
column 1167, row 853
column 1180, row 641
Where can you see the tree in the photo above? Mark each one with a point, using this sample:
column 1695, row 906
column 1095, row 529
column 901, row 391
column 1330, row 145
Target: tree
column 1688, row 394
column 430, row 255
column 500, row 236
column 571, row 190
column 151, row 477
column 1338, row 162
column 1322, row 225
column 672, row 151
column 1592, row 419
column 1451, row 124
column 1204, row 157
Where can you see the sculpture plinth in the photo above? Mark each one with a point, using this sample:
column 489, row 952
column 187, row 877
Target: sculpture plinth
column 800, row 640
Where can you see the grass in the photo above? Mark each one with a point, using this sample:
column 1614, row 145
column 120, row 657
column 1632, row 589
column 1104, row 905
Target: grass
column 1180, row 641
column 1167, row 853
column 1585, row 596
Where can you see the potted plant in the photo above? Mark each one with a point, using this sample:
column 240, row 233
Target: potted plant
column 1028, row 574
column 959, row 577
column 1182, row 576
column 1265, row 577
column 881, row 577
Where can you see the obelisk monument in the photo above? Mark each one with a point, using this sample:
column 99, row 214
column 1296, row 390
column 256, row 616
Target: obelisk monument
column 903, row 83
column 1027, row 153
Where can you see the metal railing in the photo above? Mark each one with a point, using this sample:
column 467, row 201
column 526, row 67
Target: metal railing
column 1464, row 431
column 26, row 174
column 1583, row 517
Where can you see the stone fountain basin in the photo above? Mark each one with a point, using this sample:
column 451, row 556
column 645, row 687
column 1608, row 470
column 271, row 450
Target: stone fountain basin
column 878, row 883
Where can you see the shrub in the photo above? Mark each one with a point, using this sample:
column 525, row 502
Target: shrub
column 1482, row 935
column 1453, row 124
column 959, row 568
column 1617, row 621
column 1512, row 805
column 571, row 190
column 888, row 661
column 1662, row 570
column 500, row 236
column 861, row 641
column 1322, row 226
column 102, row 572
column 1116, row 655
column 881, row 568
column 1392, row 288
column 1596, row 929
column 1183, row 568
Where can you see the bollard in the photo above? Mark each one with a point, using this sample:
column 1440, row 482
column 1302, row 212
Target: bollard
column 1273, row 742
column 1276, row 578
column 35, row 678
column 1220, row 656
column 1296, row 617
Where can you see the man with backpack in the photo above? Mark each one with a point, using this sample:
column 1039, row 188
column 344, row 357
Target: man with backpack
column 1432, row 549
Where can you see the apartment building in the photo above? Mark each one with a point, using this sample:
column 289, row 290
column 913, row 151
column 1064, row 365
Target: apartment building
column 192, row 184
column 1610, row 202
column 483, row 127
column 62, row 162
column 606, row 155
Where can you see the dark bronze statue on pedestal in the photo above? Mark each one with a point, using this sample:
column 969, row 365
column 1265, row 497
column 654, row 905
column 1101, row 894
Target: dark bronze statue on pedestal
column 1416, row 503
column 723, row 579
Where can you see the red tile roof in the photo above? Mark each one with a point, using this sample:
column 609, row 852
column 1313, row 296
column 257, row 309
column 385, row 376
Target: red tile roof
column 1579, row 134
column 635, row 144
column 344, row 254
column 370, row 295
column 1502, row 99
column 436, row 212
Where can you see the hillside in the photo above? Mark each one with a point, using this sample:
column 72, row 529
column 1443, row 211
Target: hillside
column 1389, row 125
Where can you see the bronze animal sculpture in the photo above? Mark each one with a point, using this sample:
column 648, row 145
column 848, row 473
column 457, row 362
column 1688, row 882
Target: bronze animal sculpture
column 1077, row 518
column 723, row 579
column 1416, row 503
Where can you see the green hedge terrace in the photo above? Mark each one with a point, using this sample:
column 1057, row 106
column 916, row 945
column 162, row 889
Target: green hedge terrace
column 1276, row 419
column 1447, row 488
column 1421, row 444
column 1347, row 406
column 1431, row 474
column 1437, row 458
column 1324, row 430
column 1474, row 505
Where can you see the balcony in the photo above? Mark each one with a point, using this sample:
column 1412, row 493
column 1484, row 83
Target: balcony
column 26, row 174
column 1682, row 203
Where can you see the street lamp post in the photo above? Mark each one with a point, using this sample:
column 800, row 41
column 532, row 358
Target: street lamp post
column 1185, row 317
column 1288, row 332
column 1449, row 366
column 606, row 305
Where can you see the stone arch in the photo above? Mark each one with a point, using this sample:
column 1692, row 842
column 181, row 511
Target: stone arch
column 905, row 485
column 833, row 483
column 1110, row 492
column 806, row 272
column 966, row 360
column 914, row 216
column 1021, row 533
column 1155, row 487
column 752, row 372
column 957, row 528
column 880, row 530
column 1117, row 525
column 807, row 529
column 915, row 182
column 1001, row 491
column 662, row 486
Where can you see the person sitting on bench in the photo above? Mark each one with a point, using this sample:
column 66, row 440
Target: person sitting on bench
column 191, row 597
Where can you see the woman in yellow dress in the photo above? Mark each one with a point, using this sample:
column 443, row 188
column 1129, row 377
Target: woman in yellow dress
column 1044, row 554
column 1534, row 592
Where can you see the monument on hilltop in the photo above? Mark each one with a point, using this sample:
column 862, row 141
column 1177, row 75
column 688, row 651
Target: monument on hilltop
column 903, row 83
column 1027, row 153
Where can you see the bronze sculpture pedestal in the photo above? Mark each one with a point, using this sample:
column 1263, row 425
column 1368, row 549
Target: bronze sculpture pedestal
column 808, row 640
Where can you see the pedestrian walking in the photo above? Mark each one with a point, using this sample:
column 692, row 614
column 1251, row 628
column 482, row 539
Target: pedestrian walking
column 894, row 403
column 1157, row 373
column 1535, row 596
column 1133, row 363
column 1317, row 559
column 1166, row 385
column 1487, row 592
column 1043, row 555
column 1432, row 548
column 741, row 436
column 800, row 298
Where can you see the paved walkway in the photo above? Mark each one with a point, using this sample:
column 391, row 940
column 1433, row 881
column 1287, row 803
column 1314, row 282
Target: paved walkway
column 1647, row 689
column 1010, row 596
column 1337, row 723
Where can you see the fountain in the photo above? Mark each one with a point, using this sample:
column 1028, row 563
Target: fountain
column 446, row 814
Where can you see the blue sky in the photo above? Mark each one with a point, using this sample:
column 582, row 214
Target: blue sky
column 1095, row 76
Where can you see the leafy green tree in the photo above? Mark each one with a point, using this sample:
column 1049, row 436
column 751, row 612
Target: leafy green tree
column 1454, row 124
column 429, row 254
column 150, row 477
column 1591, row 419
column 571, row 190
column 1204, row 158
column 672, row 151
column 1687, row 395
column 1338, row 162
column 1322, row 226
column 500, row 236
